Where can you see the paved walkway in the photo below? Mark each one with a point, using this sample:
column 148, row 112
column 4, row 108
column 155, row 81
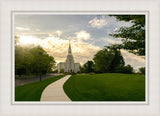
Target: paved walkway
column 23, row 81
column 55, row 92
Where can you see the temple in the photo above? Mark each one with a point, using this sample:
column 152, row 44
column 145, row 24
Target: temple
column 69, row 65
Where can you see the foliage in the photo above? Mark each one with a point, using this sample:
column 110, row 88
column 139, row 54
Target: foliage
column 124, row 69
column 105, row 87
column 107, row 59
column 32, row 60
column 142, row 70
column 16, row 40
column 54, row 71
column 87, row 67
column 69, row 73
column 62, row 70
column 133, row 37
column 33, row 91
column 117, row 59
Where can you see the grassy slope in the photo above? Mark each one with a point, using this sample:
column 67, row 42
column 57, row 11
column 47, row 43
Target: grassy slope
column 33, row 91
column 106, row 87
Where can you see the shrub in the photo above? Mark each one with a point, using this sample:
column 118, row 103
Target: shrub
column 54, row 71
column 73, row 73
column 62, row 70
column 124, row 69
column 142, row 70
column 69, row 73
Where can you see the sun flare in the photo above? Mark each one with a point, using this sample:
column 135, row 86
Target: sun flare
column 28, row 40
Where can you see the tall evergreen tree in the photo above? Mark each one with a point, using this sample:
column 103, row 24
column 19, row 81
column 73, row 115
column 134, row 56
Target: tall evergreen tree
column 117, row 59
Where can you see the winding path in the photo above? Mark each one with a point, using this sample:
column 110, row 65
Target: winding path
column 55, row 92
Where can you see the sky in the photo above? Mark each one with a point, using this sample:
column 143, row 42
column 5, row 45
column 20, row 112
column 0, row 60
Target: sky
column 88, row 34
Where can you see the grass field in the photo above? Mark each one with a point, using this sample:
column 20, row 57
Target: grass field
column 33, row 91
column 106, row 87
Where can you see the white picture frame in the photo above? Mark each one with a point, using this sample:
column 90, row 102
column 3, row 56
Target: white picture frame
column 7, row 105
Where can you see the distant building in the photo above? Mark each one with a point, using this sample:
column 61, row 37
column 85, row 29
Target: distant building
column 69, row 65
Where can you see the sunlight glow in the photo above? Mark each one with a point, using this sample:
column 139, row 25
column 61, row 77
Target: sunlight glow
column 28, row 40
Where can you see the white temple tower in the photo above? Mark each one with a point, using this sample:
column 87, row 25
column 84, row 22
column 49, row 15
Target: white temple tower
column 69, row 65
column 69, row 61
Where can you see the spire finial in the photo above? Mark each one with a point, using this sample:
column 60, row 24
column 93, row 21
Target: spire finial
column 69, row 50
column 69, row 43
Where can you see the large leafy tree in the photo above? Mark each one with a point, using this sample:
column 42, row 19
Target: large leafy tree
column 133, row 37
column 32, row 60
column 88, row 67
column 23, row 59
column 107, row 59
column 41, row 60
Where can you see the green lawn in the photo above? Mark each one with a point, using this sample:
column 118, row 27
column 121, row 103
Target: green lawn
column 106, row 87
column 33, row 91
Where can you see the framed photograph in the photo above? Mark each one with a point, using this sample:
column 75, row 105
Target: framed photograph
column 84, row 48
column 79, row 58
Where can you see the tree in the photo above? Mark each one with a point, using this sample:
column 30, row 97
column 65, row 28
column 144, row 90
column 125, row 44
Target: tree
column 102, row 60
column 43, row 60
column 62, row 70
column 142, row 70
column 88, row 67
column 133, row 37
column 124, row 69
column 107, row 59
column 22, row 60
column 117, row 59
column 28, row 60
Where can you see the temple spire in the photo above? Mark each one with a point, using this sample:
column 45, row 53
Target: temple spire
column 69, row 50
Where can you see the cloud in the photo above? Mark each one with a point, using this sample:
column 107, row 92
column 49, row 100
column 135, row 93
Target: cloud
column 114, row 41
column 58, row 48
column 135, row 61
column 83, row 35
column 82, row 52
column 98, row 23
column 37, row 29
column 108, row 41
column 115, row 29
column 59, row 33
column 22, row 28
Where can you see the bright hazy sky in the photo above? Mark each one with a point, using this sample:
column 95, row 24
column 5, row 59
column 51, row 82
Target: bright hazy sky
column 88, row 34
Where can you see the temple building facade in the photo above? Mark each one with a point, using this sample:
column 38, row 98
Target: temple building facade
column 69, row 65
